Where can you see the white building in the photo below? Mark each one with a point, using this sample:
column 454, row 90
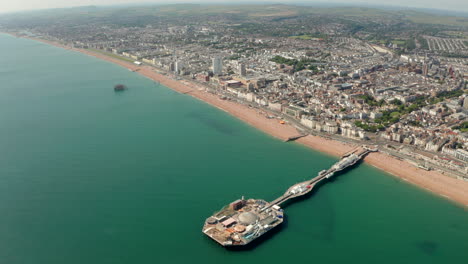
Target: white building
column 179, row 65
column 217, row 65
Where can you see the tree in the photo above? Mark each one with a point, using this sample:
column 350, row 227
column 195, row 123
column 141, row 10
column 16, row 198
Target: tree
column 396, row 102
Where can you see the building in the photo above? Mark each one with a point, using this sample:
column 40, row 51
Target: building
column 461, row 154
column 233, row 83
column 179, row 66
column 217, row 65
column 330, row 127
column 293, row 111
column 171, row 67
column 308, row 122
column 238, row 204
column 242, row 70
column 374, row 115
column 203, row 77
column 148, row 61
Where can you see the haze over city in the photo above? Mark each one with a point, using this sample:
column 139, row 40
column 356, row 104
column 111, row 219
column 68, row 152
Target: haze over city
column 20, row 5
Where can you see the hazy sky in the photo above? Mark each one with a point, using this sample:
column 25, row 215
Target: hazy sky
column 17, row 5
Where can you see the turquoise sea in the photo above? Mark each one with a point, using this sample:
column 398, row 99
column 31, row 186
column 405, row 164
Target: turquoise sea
column 91, row 176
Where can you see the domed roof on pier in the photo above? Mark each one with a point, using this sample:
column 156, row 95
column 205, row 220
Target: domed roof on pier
column 248, row 218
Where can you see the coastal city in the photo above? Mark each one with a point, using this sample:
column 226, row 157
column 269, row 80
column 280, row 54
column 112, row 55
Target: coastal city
column 409, row 100
column 405, row 90
column 240, row 131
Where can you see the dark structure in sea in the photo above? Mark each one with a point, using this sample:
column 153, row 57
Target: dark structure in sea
column 119, row 87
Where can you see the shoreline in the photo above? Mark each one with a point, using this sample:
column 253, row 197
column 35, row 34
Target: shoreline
column 444, row 186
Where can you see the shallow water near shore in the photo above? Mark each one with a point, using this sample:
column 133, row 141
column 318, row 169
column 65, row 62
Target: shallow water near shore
column 88, row 175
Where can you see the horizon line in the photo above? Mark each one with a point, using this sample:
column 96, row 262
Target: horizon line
column 321, row 4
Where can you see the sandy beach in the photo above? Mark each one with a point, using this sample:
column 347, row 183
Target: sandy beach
column 450, row 188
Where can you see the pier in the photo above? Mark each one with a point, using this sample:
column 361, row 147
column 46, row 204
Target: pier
column 243, row 221
column 303, row 188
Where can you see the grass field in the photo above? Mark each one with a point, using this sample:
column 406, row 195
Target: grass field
column 305, row 37
column 399, row 42
column 423, row 18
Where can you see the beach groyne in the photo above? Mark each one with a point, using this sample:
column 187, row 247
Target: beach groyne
column 294, row 138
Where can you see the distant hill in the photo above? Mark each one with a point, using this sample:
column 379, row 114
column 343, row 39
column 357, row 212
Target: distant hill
column 245, row 11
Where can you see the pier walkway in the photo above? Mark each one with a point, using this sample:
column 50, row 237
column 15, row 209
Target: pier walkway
column 303, row 188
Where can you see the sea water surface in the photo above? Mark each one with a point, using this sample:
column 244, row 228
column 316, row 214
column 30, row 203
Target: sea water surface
column 88, row 175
